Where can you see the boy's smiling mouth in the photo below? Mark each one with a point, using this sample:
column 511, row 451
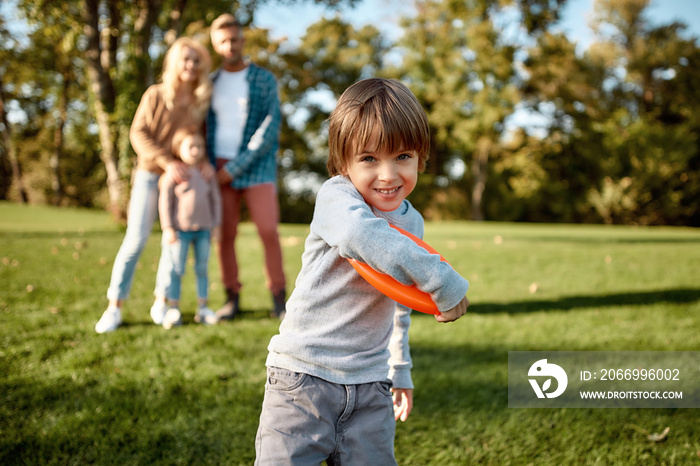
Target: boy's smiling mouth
column 388, row 191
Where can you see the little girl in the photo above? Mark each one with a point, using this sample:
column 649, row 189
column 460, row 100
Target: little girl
column 190, row 212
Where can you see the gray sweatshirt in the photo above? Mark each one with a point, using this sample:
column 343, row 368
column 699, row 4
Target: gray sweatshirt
column 338, row 327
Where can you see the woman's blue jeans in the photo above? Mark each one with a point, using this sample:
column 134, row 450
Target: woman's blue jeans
column 143, row 210
column 178, row 251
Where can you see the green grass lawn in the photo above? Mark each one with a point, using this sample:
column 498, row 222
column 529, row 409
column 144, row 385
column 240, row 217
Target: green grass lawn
column 192, row 395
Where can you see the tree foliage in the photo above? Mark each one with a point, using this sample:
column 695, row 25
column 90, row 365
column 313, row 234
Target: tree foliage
column 613, row 131
column 624, row 120
column 464, row 74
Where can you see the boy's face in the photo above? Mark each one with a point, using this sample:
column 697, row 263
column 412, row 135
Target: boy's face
column 192, row 149
column 384, row 179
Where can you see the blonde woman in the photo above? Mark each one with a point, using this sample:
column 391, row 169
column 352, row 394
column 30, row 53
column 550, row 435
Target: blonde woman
column 180, row 100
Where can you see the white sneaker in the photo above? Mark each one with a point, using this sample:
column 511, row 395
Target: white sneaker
column 205, row 316
column 158, row 311
column 110, row 320
column 172, row 318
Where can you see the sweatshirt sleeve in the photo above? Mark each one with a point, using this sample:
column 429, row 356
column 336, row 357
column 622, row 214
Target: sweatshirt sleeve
column 400, row 363
column 344, row 220
column 142, row 127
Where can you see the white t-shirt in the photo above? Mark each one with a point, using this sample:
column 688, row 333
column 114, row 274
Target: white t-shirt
column 230, row 104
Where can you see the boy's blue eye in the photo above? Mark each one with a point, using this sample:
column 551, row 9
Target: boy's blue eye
column 368, row 158
column 405, row 156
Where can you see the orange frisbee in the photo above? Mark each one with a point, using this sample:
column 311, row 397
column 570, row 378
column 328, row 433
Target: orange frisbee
column 408, row 295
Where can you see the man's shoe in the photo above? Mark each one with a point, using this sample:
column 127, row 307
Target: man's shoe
column 280, row 309
column 230, row 308
column 110, row 320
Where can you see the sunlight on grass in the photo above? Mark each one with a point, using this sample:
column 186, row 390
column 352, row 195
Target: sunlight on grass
column 192, row 395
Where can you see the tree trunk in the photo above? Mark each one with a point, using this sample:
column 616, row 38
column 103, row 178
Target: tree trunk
column 479, row 172
column 143, row 26
column 55, row 160
column 10, row 150
column 176, row 24
column 104, row 106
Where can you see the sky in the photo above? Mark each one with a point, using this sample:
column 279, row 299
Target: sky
column 578, row 12
column 292, row 21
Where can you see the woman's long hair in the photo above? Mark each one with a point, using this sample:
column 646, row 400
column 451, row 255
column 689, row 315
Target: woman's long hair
column 202, row 90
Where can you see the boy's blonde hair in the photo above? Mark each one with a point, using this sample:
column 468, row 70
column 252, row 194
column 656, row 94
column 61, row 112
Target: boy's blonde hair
column 202, row 91
column 371, row 105
column 181, row 134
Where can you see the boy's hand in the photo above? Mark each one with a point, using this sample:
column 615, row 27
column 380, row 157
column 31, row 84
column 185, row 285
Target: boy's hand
column 455, row 313
column 169, row 236
column 403, row 403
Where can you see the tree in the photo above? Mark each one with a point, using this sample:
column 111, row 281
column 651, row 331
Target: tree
column 569, row 92
column 654, row 134
column 332, row 55
column 48, row 68
column 623, row 116
column 119, row 48
column 459, row 66
column 10, row 167
column 620, row 143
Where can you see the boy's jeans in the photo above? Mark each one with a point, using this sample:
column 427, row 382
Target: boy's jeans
column 306, row 420
column 178, row 251
column 143, row 210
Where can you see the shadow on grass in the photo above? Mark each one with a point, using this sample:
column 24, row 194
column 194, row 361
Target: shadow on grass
column 606, row 239
column 461, row 411
column 459, row 377
column 188, row 319
column 167, row 420
column 676, row 296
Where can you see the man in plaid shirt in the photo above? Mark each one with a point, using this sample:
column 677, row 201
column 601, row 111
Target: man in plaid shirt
column 242, row 140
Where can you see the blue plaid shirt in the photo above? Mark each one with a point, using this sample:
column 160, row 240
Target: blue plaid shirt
column 256, row 162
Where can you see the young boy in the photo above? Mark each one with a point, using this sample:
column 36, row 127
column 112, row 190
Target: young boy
column 190, row 212
column 328, row 394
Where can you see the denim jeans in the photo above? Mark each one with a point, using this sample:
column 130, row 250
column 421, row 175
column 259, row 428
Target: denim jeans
column 307, row 420
column 178, row 251
column 143, row 210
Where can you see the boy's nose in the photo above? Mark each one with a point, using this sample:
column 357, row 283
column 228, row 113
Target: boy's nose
column 387, row 172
